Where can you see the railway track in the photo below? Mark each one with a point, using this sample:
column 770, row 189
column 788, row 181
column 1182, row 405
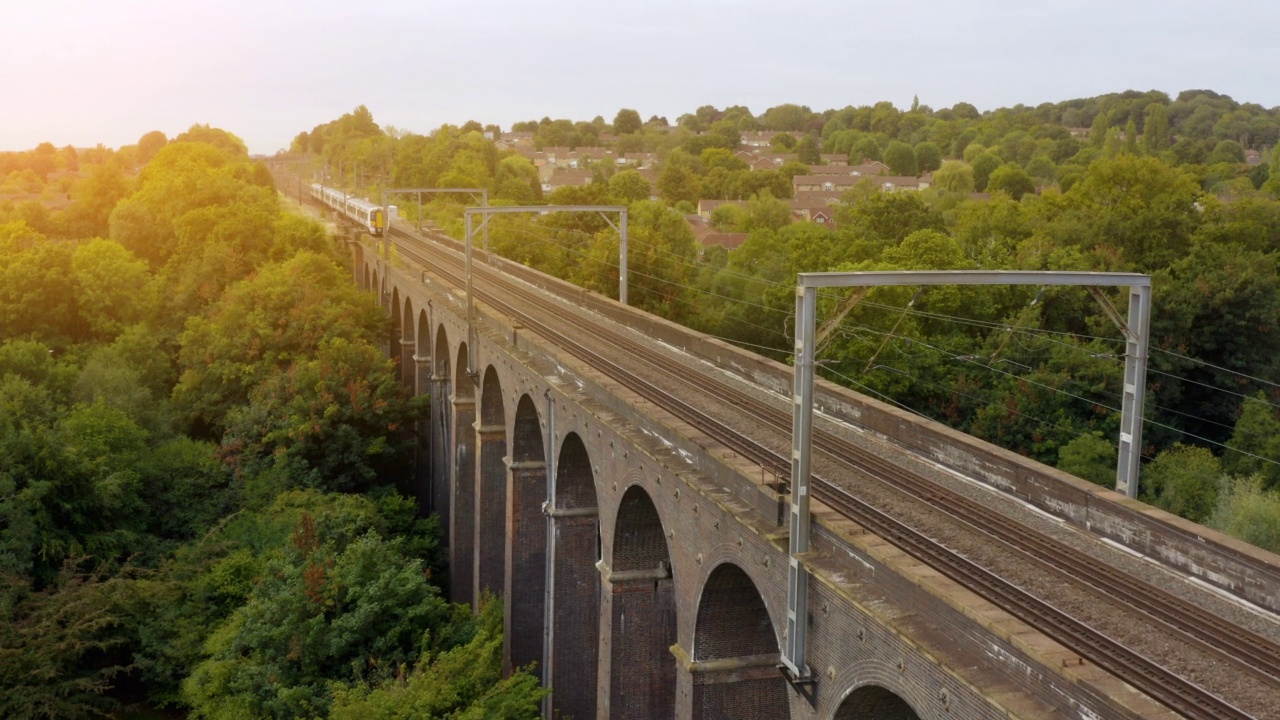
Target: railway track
column 1251, row 653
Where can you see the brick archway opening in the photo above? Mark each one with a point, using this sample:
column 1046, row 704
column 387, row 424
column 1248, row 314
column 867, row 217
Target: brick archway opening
column 462, row 500
column 872, row 702
column 525, row 572
column 491, row 488
column 441, row 421
column 642, row 613
column 395, row 332
column 735, row 652
column 406, row 345
column 572, row 668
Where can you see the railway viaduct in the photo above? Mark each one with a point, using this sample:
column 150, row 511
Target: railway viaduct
column 643, row 567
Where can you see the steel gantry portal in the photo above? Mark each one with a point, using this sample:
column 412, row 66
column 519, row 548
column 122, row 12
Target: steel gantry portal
column 486, row 212
column 1135, row 331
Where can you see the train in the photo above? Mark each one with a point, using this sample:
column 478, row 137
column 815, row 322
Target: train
column 358, row 210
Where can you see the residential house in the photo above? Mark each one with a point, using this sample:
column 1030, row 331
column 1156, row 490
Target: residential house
column 637, row 160
column 758, row 138
column 563, row 177
column 706, row 207
column 834, row 159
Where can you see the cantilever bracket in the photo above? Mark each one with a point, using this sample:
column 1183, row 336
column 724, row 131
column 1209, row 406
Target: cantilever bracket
column 806, row 686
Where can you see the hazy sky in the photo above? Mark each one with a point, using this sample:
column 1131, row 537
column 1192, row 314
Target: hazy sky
column 90, row 71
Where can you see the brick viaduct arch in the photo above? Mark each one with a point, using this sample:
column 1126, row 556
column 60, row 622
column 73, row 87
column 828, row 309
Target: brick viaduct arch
column 462, row 502
column 491, row 488
column 631, row 606
column 625, row 604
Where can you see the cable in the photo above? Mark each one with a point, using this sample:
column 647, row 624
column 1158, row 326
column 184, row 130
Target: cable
column 1041, row 334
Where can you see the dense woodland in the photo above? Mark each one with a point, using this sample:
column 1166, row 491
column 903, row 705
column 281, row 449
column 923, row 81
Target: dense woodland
column 200, row 442
column 200, row 431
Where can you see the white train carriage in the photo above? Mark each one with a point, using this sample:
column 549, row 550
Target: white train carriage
column 358, row 210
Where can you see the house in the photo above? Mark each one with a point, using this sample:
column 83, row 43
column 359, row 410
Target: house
column 706, row 207
column 637, row 160
column 706, row 234
column 815, row 206
column 579, row 157
column 824, row 183
column 834, row 159
column 832, row 170
column 557, row 155
column 780, row 158
column 564, row 177
column 758, row 138
column 841, row 183
column 869, row 167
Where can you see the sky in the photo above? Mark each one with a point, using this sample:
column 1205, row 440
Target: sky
column 83, row 72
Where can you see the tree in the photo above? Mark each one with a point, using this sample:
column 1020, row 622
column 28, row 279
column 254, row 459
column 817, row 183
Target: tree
column 629, row 186
column 627, row 121
column 765, row 211
column 1089, row 457
column 928, row 156
column 266, row 324
column 338, row 421
column 786, row 117
column 1217, row 305
column 1184, row 480
column 1011, row 179
column 1131, row 137
column 107, row 279
column 1139, row 205
column 1155, row 130
column 984, row 164
column 954, row 176
column 1248, row 512
column 1098, row 131
column 150, row 144
column 1227, row 151
column 326, row 610
column 677, row 182
column 1254, row 436
column 465, row 682
column 863, row 150
column 219, row 138
column 58, row 645
column 783, row 141
column 808, row 151
column 901, row 158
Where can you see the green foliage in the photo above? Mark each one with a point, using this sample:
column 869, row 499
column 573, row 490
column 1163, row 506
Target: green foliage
column 901, row 158
column 262, row 326
column 107, row 278
column 464, row 682
column 1091, row 458
column 629, row 186
column 928, row 156
column 1185, row 480
column 1012, row 180
column 627, row 121
column 954, row 176
column 58, row 646
column 984, row 164
column 339, row 420
column 1248, row 512
column 326, row 610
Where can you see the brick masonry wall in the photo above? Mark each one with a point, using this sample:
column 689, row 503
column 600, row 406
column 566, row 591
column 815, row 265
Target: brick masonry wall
column 577, row 618
column 524, row 600
column 462, row 524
